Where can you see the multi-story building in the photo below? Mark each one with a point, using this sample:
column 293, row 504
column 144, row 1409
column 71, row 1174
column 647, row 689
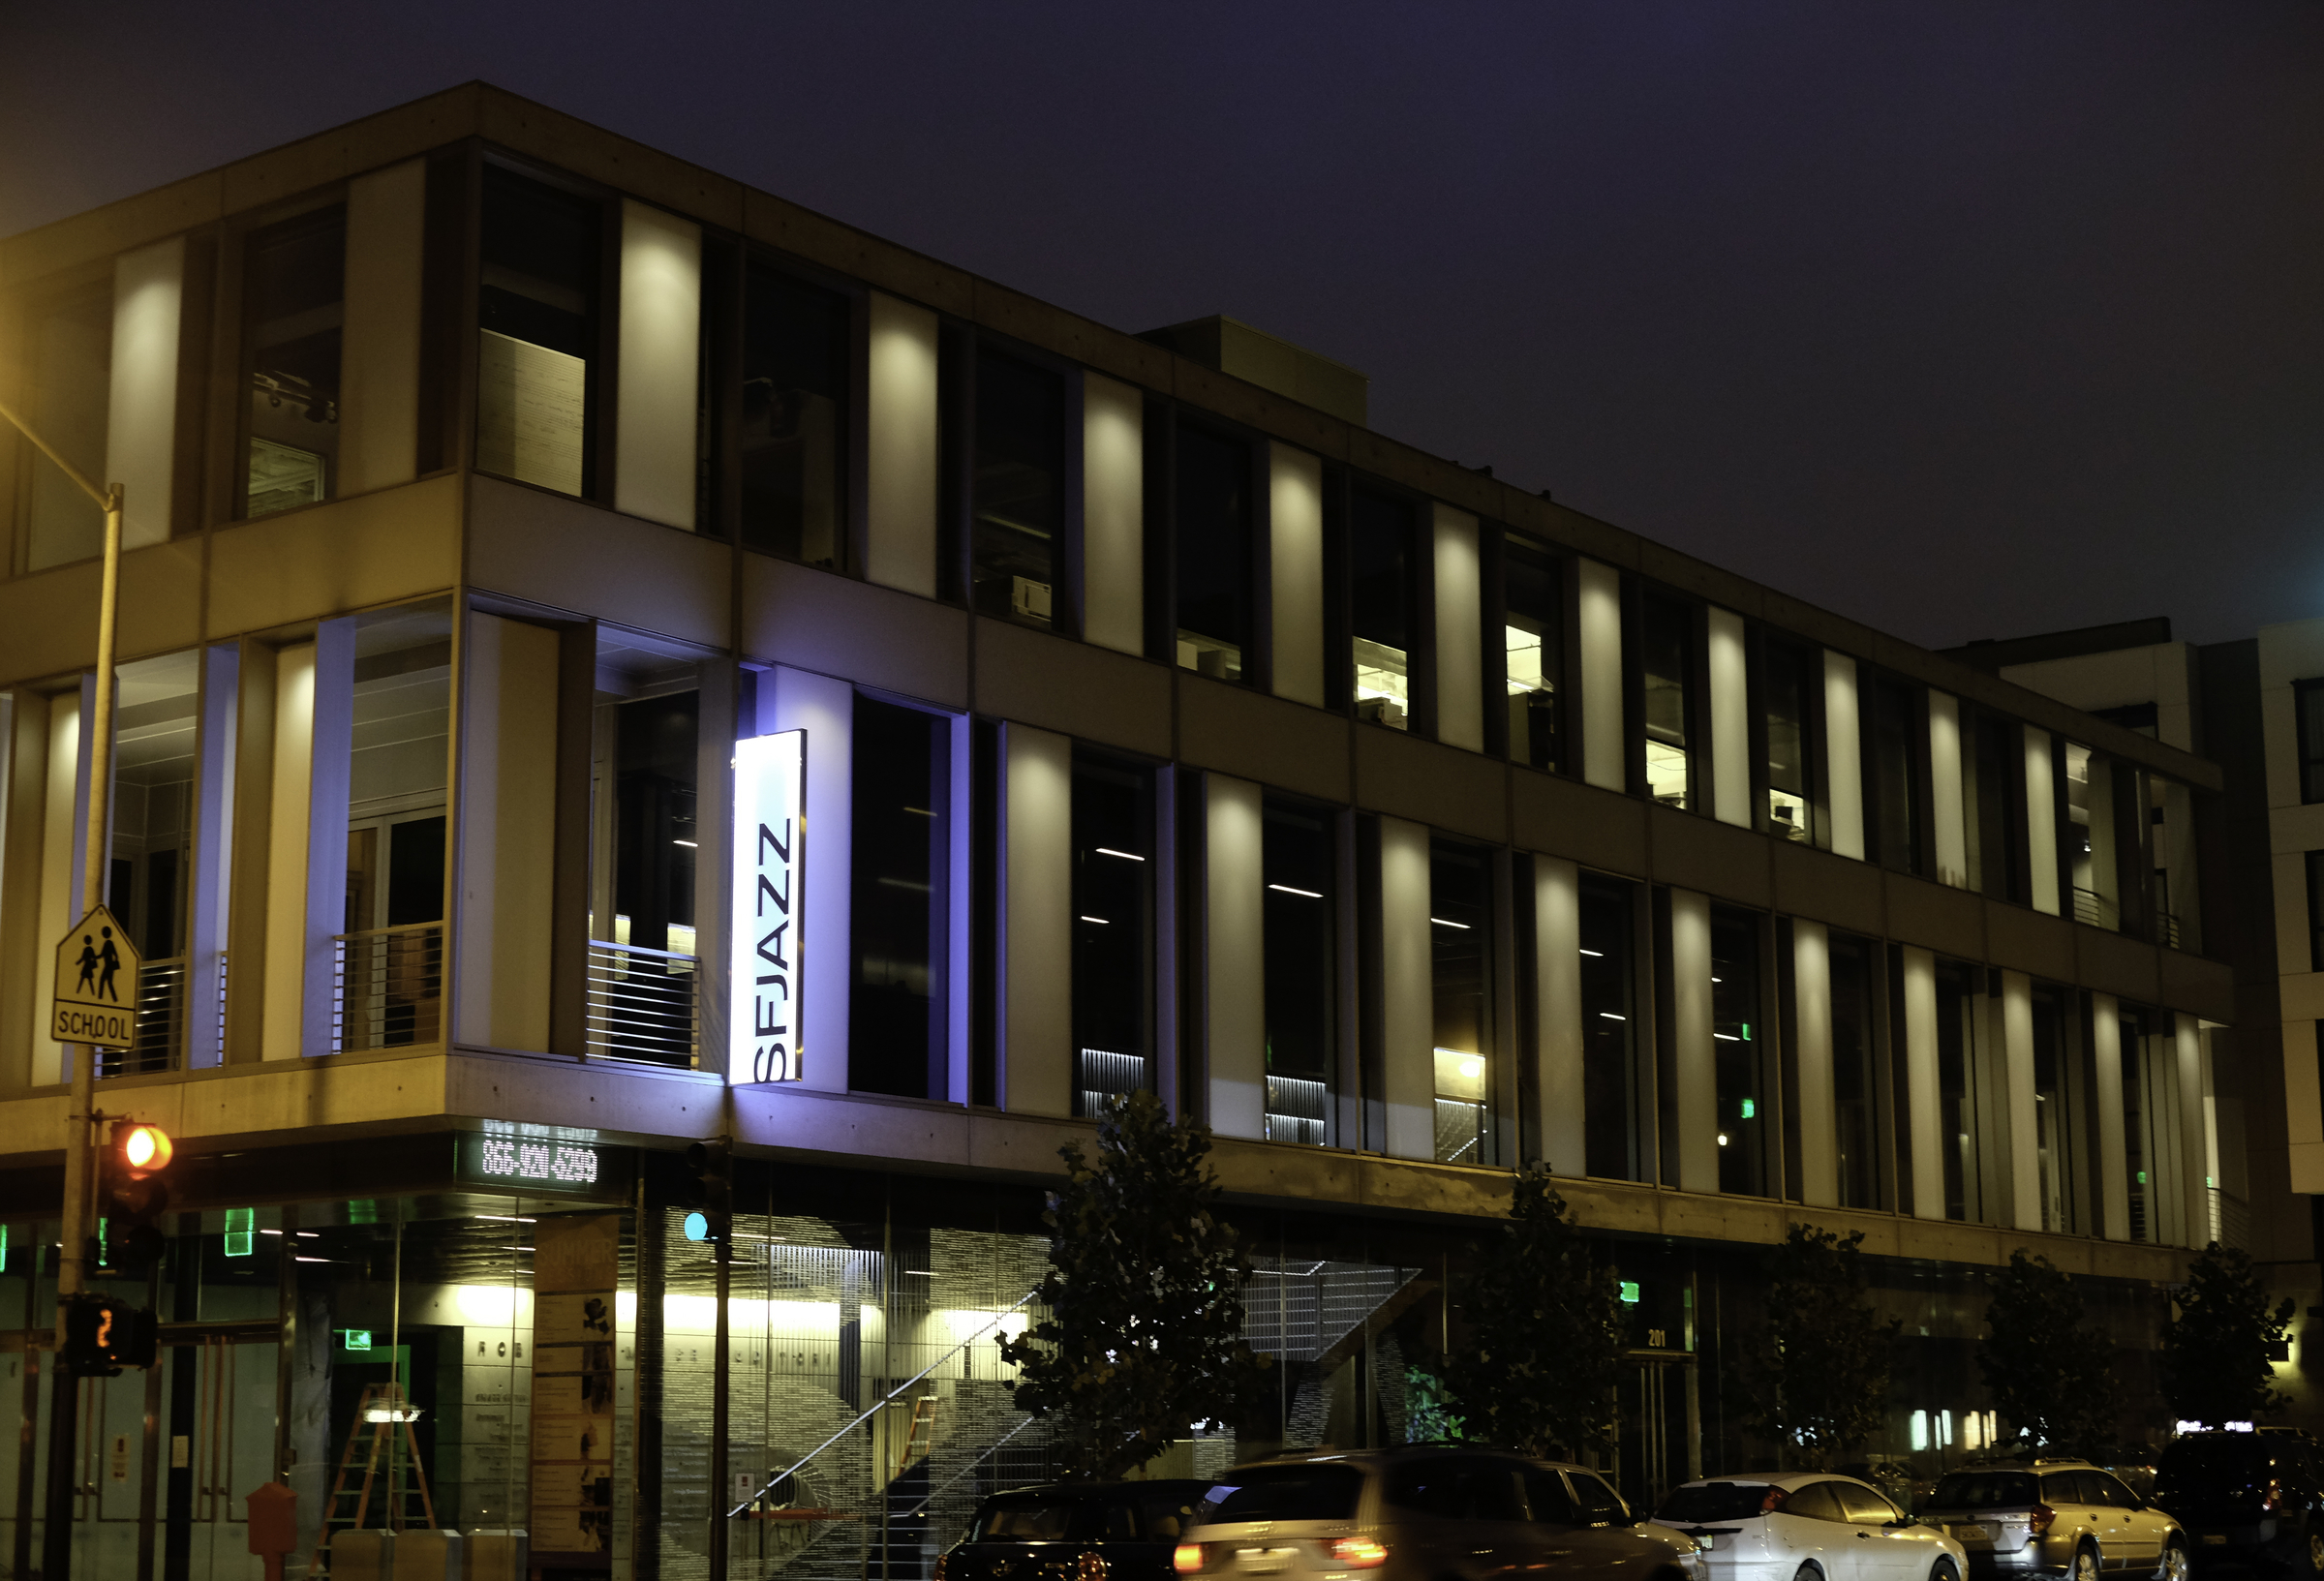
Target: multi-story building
column 613, row 660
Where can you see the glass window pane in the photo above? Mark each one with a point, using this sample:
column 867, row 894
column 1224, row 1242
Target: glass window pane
column 1791, row 770
column 2135, row 1149
column 1957, row 1096
column 1381, row 532
column 1533, row 632
column 1608, row 1037
column 1738, row 1045
column 1301, row 1048
column 294, row 286
column 71, row 347
column 1667, row 648
column 1213, row 553
column 1460, row 953
column 1895, row 759
column 2310, row 698
column 1855, row 1094
column 2053, row 1129
column 1994, row 832
column 537, row 319
column 899, row 1014
column 1020, row 488
column 1113, row 933
column 795, row 360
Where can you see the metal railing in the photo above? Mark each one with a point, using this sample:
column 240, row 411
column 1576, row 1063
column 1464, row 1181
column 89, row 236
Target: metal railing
column 389, row 987
column 2231, row 1220
column 641, row 1004
column 160, row 1019
column 2096, row 909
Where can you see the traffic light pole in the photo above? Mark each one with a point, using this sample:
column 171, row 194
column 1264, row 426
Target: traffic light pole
column 72, row 1269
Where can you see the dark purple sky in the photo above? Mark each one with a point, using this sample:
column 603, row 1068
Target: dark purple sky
column 1965, row 317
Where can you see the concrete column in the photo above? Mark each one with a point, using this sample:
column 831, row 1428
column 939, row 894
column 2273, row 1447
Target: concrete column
column 791, row 699
column 63, row 834
column 2022, row 1134
column 1921, row 1121
column 251, row 850
column 1113, row 515
column 283, row 1034
column 1407, row 991
column 1843, row 754
column 2106, row 1092
column 2041, row 820
column 1459, row 631
column 1731, row 719
column 25, row 952
column 1817, row 1118
column 509, row 837
column 1036, row 946
column 1944, row 793
column 213, row 855
column 1557, row 1011
column 141, row 423
column 2194, row 1131
column 900, row 433
column 656, row 444
column 1295, row 571
column 1690, row 1074
column 1235, row 958
column 379, row 359
column 1605, row 744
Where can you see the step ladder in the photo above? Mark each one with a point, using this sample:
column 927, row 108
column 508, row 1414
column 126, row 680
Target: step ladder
column 383, row 1417
column 919, row 1434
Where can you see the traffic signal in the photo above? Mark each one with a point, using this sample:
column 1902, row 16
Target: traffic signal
column 135, row 1192
column 102, row 1336
column 712, row 1196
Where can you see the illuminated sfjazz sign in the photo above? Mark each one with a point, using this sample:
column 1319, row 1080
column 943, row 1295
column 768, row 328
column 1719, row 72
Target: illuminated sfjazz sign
column 770, row 824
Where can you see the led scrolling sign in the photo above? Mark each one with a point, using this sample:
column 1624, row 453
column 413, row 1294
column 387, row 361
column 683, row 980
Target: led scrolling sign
column 770, row 826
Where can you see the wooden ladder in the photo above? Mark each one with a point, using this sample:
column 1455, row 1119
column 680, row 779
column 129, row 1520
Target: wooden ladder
column 924, row 1415
column 383, row 1411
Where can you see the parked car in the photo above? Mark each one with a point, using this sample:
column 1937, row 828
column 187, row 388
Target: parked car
column 1807, row 1526
column 1462, row 1513
column 2248, row 1497
column 1052, row 1534
column 2055, row 1517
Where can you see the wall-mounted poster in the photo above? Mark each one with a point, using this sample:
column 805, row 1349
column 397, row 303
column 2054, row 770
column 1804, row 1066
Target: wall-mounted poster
column 576, row 1266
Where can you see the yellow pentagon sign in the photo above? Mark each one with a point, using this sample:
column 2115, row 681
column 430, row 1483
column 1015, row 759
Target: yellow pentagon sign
column 96, row 985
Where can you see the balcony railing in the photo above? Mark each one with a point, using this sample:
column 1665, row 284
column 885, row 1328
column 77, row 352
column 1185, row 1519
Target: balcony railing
column 2096, row 909
column 389, row 990
column 2231, row 1220
column 641, row 1004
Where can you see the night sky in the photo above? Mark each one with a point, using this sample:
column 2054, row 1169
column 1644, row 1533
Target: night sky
column 1965, row 317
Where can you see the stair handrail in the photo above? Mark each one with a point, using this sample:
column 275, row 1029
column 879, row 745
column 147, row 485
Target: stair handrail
column 881, row 1403
column 990, row 1451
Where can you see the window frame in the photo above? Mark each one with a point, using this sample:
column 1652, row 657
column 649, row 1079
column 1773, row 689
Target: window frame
column 1503, row 544
column 725, row 329
column 961, row 346
column 1638, row 594
column 1165, row 419
column 2308, row 741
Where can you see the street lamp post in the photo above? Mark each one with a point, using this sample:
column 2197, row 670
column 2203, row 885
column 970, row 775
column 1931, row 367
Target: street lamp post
column 72, row 1272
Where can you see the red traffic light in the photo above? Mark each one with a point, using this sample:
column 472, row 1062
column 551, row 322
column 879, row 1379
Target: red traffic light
column 144, row 1148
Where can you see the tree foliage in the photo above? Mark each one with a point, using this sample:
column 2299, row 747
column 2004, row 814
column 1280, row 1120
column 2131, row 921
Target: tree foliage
column 1144, row 1337
column 1545, row 1332
column 2214, row 1349
column 1817, row 1379
column 2051, row 1378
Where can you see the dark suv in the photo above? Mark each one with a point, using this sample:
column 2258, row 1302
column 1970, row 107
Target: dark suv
column 1077, row 1532
column 2248, row 1496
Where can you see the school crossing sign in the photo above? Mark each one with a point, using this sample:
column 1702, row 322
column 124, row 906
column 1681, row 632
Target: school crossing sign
column 96, row 985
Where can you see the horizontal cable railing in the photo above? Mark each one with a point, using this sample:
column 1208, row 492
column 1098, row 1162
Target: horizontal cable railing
column 390, row 987
column 160, row 1019
column 2093, row 908
column 2231, row 1220
column 641, row 1004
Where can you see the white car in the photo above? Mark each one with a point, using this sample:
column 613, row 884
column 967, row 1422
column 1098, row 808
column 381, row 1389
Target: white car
column 1807, row 1526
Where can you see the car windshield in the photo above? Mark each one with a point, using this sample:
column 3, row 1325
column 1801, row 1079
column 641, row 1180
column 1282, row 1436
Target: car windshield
column 2229, row 1457
column 1023, row 1520
column 1712, row 1502
column 1983, row 1490
column 1283, row 1493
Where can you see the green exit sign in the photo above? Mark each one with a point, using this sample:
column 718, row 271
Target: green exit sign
column 355, row 1339
column 1630, row 1293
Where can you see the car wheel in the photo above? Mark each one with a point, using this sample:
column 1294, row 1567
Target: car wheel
column 1807, row 1573
column 2174, row 1562
column 2086, row 1564
column 2316, row 1552
column 1942, row 1569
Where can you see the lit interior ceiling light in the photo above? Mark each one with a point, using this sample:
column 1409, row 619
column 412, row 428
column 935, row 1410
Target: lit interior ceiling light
column 1598, row 953
column 689, row 844
column 1102, row 922
column 1312, row 894
column 1611, row 1016
column 1126, row 856
column 1723, row 1139
column 1441, row 922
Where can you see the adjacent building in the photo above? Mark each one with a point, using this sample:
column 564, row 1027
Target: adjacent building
column 613, row 660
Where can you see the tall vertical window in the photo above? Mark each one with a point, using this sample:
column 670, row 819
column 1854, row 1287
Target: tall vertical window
column 1300, row 948
column 1113, row 933
column 1893, row 753
column 1737, row 1043
column 1856, row 1092
column 898, row 1013
column 2308, row 698
column 1957, row 1096
column 1791, row 768
column 1018, row 535
column 293, row 309
column 1997, row 807
column 794, row 418
column 1533, row 631
column 2091, row 835
column 2053, row 1112
column 1666, row 653
column 1381, row 615
column 1215, row 553
column 2136, row 1163
column 1460, row 957
column 71, row 350
column 1609, row 1075
column 537, row 357
column 642, row 906
column 2315, row 911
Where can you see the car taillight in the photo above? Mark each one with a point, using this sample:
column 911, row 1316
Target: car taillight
column 2275, row 1496
column 1359, row 1553
column 1186, row 1557
column 1774, row 1499
column 940, row 1558
column 1093, row 1567
column 2040, row 1519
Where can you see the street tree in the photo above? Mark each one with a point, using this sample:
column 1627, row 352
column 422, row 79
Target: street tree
column 1143, row 1337
column 2051, row 1380
column 1816, row 1379
column 1543, row 1316
column 2214, row 1349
